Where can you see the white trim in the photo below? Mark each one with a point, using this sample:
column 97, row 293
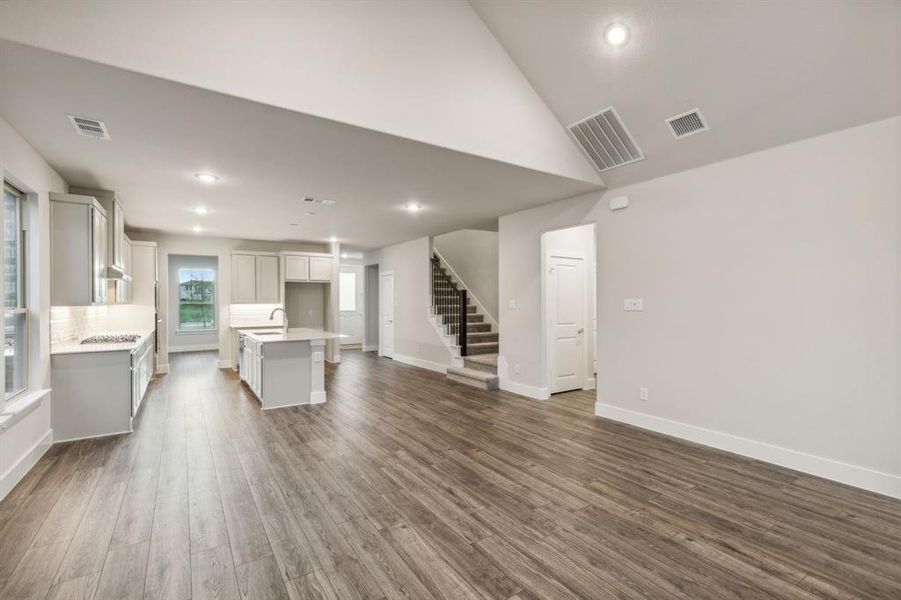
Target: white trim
column 93, row 437
column 536, row 393
column 21, row 406
column 370, row 347
column 459, row 279
column 227, row 364
column 28, row 460
column 162, row 369
column 422, row 364
column 195, row 348
column 861, row 477
column 317, row 397
column 196, row 331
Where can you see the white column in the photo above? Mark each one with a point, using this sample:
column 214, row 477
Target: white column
column 317, row 371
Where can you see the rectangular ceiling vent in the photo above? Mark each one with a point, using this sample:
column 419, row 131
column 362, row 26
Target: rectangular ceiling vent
column 686, row 124
column 605, row 140
column 89, row 127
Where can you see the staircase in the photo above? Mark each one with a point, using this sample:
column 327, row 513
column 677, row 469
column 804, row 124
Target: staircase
column 477, row 349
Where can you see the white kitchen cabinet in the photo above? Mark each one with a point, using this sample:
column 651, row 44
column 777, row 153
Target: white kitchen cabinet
column 124, row 287
column 297, row 268
column 321, row 268
column 144, row 271
column 116, row 225
column 78, row 250
column 255, row 279
column 268, row 284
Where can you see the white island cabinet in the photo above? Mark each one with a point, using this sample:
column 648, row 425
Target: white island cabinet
column 285, row 368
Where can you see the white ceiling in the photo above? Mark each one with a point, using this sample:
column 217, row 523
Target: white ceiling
column 763, row 73
column 427, row 70
column 269, row 158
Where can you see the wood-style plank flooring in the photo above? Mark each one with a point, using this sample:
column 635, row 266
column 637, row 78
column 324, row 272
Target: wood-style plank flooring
column 406, row 485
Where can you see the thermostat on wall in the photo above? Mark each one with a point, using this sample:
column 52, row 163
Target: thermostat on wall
column 619, row 203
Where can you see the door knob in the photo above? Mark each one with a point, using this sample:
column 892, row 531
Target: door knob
column 581, row 330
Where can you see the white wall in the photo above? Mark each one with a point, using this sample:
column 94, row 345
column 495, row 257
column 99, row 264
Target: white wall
column 472, row 254
column 26, row 435
column 182, row 341
column 416, row 340
column 772, row 296
column 429, row 70
column 520, row 359
column 771, row 291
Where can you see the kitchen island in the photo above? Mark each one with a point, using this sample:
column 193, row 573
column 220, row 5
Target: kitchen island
column 284, row 368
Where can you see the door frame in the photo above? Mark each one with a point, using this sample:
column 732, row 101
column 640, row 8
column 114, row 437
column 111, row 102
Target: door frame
column 360, row 290
column 588, row 308
column 382, row 336
column 550, row 346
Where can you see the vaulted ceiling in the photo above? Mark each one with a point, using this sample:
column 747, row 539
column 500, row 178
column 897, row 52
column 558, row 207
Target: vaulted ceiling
column 458, row 107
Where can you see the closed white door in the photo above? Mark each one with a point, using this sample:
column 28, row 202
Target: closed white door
column 350, row 304
column 566, row 327
column 386, row 310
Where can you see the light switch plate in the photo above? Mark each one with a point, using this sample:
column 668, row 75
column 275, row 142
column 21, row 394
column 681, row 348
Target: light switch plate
column 633, row 304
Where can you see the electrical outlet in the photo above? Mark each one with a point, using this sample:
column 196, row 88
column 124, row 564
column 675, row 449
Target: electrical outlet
column 633, row 304
column 643, row 394
column 511, row 304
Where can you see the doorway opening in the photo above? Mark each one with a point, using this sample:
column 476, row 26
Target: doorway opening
column 351, row 305
column 569, row 308
column 371, row 308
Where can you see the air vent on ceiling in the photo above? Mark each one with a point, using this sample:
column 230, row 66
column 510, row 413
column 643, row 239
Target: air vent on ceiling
column 309, row 200
column 686, row 124
column 89, row 127
column 605, row 140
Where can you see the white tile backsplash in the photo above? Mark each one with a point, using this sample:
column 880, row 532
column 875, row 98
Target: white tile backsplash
column 78, row 322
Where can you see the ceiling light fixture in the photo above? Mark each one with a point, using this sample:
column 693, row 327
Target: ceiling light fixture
column 616, row 34
column 197, row 229
column 200, row 210
column 294, row 224
column 333, row 239
column 412, row 207
column 207, row 177
column 344, row 255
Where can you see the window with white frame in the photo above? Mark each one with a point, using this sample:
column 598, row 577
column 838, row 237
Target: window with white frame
column 15, row 315
column 196, row 299
column 347, row 291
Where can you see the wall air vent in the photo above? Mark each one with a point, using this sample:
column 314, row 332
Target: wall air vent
column 309, row 200
column 89, row 127
column 686, row 124
column 605, row 140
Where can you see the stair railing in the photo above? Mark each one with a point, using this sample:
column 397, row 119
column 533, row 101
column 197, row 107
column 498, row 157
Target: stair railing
column 450, row 304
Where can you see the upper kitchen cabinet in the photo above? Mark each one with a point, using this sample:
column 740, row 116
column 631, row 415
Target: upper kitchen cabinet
column 143, row 261
column 255, row 278
column 308, row 267
column 79, row 236
column 116, row 231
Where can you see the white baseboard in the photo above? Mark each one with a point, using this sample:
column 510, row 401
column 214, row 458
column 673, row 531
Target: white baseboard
column 370, row 347
column 196, row 348
column 17, row 471
column 317, row 397
column 423, row 364
column 589, row 384
column 227, row 364
column 861, row 477
column 536, row 393
column 162, row 369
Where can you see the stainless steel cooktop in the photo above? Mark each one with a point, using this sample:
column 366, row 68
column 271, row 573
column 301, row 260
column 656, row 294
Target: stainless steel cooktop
column 118, row 338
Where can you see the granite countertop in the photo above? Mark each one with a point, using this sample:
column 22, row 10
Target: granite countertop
column 298, row 334
column 74, row 345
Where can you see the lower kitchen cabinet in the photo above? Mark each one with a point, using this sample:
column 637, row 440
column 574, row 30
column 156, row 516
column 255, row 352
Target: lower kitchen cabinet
column 97, row 394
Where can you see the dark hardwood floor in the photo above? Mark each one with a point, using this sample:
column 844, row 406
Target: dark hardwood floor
column 406, row 485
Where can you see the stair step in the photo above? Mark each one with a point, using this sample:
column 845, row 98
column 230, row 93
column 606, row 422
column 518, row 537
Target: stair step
column 473, row 377
column 482, row 348
column 481, row 362
column 474, row 337
column 477, row 327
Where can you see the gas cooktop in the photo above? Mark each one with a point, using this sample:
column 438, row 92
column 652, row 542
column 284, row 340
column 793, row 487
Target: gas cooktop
column 119, row 338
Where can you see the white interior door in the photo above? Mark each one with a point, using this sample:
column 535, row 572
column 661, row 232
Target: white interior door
column 386, row 320
column 350, row 304
column 566, row 327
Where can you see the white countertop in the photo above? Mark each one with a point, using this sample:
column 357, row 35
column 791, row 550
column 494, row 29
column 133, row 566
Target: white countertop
column 295, row 334
column 74, row 345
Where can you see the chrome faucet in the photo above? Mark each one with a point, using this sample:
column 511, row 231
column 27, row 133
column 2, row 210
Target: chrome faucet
column 272, row 317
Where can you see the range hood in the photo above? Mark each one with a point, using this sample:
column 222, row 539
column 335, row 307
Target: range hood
column 113, row 272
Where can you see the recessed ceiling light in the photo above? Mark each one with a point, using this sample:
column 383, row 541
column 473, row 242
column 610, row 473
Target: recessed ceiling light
column 412, row 207
column 207, row 177
column 333, row 239
column 197, row 229
column 344, row 255
column 201, row 210
column 294, row 224
column 616, row 34
column 311, row 213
